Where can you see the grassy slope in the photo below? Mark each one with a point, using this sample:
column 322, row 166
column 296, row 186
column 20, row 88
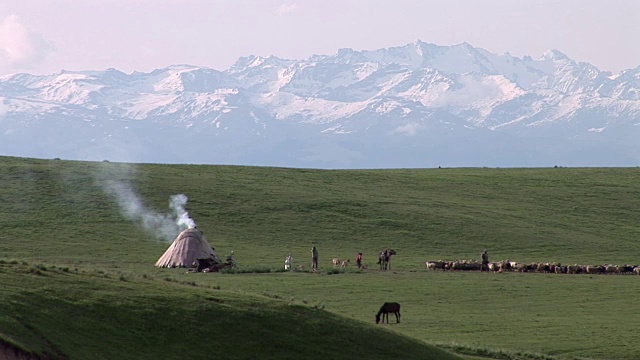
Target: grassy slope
column 57, row 212
column 97, row 316
column 567, row 215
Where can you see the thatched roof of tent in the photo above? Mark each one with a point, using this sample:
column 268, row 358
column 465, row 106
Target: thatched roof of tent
column 189, row 245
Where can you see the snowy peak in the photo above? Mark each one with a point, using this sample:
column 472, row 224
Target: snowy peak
column 259, row 62
column 457, row 59
column 191, row 79
column 466, row 81
column 412, row 95
column 554, row 55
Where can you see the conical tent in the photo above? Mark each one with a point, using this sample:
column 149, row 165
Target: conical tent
column 191, row 244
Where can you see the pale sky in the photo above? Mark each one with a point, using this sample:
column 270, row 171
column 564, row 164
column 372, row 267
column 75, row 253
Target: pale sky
column 45, row 36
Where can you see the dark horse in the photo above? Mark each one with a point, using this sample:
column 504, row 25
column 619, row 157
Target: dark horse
column 388, row 307
column 385, row 259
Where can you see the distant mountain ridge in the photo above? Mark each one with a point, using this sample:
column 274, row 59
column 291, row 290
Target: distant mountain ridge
column 416, row 105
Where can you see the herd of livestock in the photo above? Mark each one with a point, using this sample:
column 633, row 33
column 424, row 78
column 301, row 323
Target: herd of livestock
column 557, row 268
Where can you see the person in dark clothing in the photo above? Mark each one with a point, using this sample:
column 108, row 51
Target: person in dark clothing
column 485, row 261
column 359, row 260
column 314, row 259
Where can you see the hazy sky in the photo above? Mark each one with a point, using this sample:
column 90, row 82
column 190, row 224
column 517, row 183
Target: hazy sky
column 45, row 36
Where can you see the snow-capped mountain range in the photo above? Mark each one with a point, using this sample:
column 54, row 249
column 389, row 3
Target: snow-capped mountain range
column 416, row 105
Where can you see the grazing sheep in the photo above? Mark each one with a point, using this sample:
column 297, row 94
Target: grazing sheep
column 435, row 265
column 574, row 269
column 544, row 267
column 466, row 265
column 539, row 267
column 532, row 267
column 344, row 264
column 595, row 269
column 335, row 262
column 611, row 269
column 506, row 265
column 625, row 269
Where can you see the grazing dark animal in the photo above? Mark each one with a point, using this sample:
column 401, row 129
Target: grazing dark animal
column 388, row 307
column 385, row 259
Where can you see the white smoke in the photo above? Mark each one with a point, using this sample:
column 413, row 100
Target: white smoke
column 178, row 203
column 163, row 226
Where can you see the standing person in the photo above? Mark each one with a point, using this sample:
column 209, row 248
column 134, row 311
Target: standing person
column 288, row 261
column 231, row 262
column 314, row 258
column 485, row 261
column 359, row 260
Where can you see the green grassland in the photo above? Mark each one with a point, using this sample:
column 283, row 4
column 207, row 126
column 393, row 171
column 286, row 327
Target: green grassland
column 56, row 213
column 92, row 315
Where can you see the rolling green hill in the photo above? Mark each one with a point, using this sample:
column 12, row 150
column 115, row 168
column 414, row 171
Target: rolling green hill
column 71, row 314
column 57, row 213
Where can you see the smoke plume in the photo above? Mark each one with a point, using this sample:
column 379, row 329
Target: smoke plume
column 165, row 226
column 178, row 203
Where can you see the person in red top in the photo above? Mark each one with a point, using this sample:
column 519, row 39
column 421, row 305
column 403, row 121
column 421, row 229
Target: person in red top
column 359, row 260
